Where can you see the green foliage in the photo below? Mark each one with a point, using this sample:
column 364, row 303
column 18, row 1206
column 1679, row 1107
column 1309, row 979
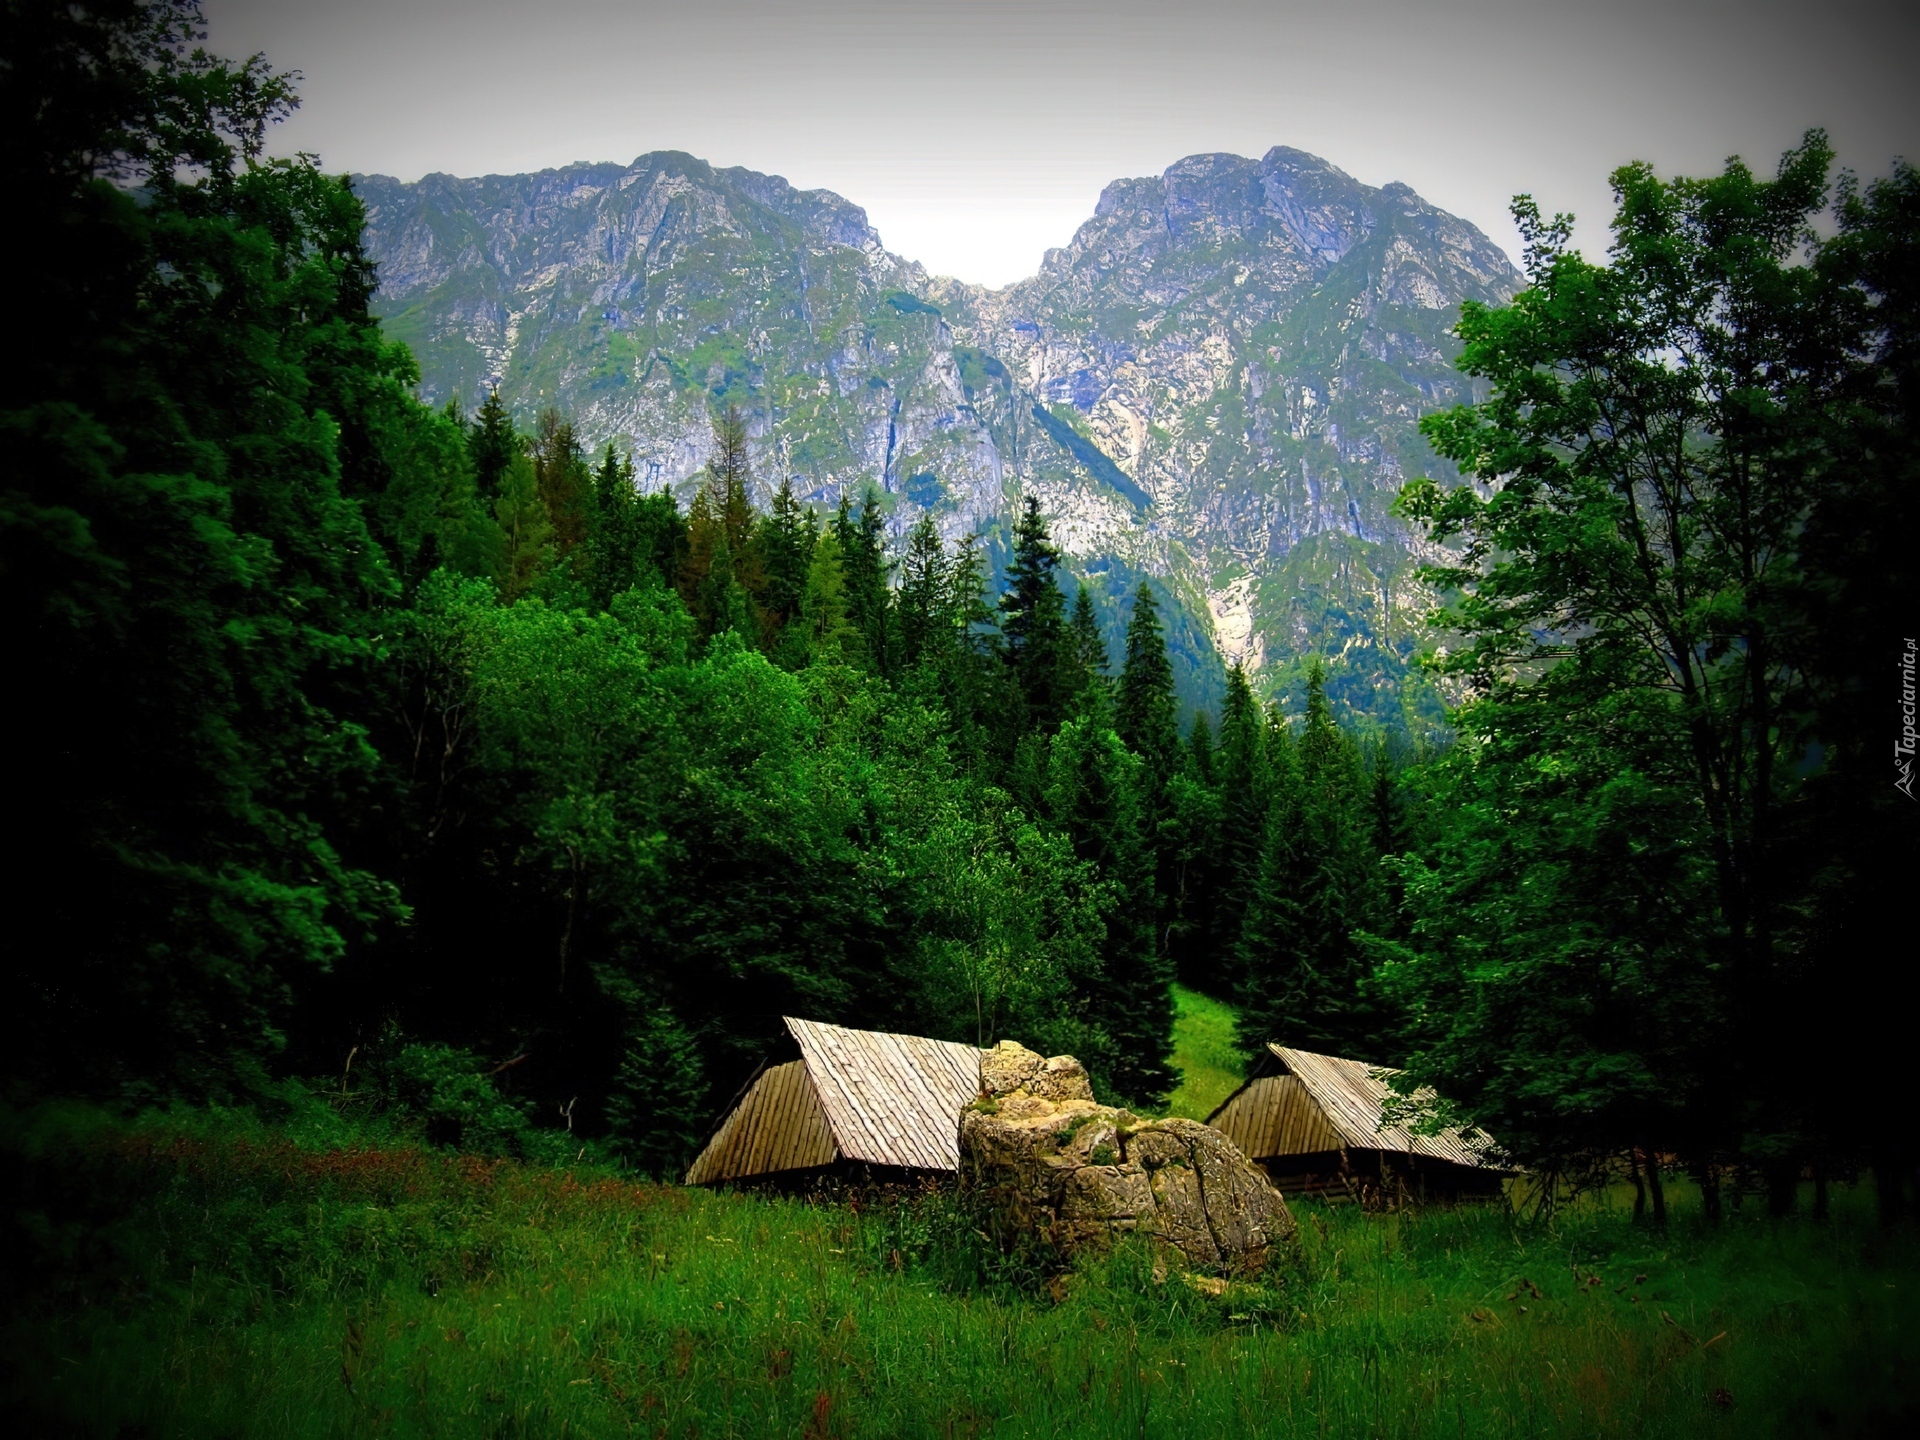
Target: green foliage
column 451, row 1096
column 1639, row 598
column 1559, row 968
column 1301, row 966
column 184, row 551
column 1033, row 623
column 657, row 1110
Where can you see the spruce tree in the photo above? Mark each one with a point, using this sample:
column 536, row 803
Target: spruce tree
column 730, row 476
column 704, row 536
column 863, row 557
column 730, row 479
column 561, row 475
column 527, row 529
column 1146, row 714
column 786, row 549
column 830, row 634
column 1093, row 796
column 1200, row 749
column 1302, row 972
column 613, row 530
column 1146, row 721
column 922, row 604
column 1084, row 679
column 492, row 444
column 1245, row 790
column 1033, row 620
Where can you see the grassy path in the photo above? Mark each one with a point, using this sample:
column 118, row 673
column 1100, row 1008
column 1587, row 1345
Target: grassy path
column 1203, row 1053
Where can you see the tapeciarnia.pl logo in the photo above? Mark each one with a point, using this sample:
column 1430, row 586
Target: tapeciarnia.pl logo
column 1904, row 746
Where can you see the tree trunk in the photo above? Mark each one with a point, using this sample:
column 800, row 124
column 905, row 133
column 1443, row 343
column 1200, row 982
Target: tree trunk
column 1709, row 1182
column 1639, row 1187
column 1889, row 1182
column 1783, row 1187
column 1657, row 1191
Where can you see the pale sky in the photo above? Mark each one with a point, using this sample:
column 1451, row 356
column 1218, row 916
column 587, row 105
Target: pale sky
column 977, row 133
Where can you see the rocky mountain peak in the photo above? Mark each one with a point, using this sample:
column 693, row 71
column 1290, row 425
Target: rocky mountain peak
column 1215, row 383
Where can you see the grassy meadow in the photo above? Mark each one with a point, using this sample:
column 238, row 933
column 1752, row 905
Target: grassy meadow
column 211, row 1275
column 1203, row 1052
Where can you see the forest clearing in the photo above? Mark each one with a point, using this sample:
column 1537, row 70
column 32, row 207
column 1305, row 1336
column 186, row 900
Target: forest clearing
column 252, row 1287
column 214, row 1274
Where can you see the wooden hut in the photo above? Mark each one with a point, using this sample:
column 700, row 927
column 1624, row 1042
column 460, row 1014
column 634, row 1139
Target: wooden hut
column 1313, row 1123
column 861, row 1099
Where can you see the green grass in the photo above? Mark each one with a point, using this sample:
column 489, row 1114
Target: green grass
column 207, row 1277
column 1203, row 1053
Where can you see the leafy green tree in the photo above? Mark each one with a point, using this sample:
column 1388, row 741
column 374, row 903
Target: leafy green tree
column 1660, row 436
column 1851, row 842
column 1008, row 944
column 1559, row 979
column 190, row 576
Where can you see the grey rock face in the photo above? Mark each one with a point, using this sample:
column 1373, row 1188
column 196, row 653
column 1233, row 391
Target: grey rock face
column 1215, row 384
column 1050, row 1162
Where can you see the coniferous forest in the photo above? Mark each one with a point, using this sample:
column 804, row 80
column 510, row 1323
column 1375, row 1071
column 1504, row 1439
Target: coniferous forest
column 423, row 753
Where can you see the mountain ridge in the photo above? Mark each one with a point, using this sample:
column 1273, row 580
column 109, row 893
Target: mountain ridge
column 1216, row 382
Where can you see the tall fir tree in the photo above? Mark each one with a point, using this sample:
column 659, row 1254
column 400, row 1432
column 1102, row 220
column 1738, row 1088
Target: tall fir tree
column 863, row 557
column 786, row 550
column 564, row 482
column 830, row 635
column 1147, row 720
column 1146, row 712
column 1200, row 749
column 492, row 444
column 1033, row 621
column 1084, row 680
column 1093, row 795
column 922, row 603
column 1301, row 965
column 614, row 561
column 730, row 481
column 1245, row 790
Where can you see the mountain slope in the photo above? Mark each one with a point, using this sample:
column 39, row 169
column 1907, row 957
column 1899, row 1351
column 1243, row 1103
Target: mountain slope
column 1217, row 383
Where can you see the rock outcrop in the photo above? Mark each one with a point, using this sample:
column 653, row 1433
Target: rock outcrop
column 1051, row 1162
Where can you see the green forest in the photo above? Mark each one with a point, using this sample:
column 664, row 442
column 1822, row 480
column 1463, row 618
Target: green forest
column 416, row 765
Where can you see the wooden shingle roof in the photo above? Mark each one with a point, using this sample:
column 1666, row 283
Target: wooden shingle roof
column 1351, row 1097
column 890, row 1099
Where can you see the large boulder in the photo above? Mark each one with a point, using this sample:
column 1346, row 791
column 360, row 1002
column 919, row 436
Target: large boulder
column 1051, row 1162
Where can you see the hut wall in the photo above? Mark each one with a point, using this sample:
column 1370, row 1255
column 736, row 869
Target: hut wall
column 779, row 1125
column 1275, row 1116
column 1379, row 1176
